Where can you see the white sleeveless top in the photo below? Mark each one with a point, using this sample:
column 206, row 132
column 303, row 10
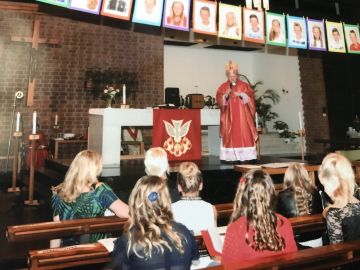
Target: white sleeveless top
column 195, row 214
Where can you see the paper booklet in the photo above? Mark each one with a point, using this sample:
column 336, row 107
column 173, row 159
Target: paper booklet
column 108, row 243
column 213, row 241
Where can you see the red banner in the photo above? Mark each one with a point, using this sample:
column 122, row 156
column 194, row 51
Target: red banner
column 178, row 132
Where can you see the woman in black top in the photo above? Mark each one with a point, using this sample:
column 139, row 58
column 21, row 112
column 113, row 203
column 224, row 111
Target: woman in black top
column 151, row 239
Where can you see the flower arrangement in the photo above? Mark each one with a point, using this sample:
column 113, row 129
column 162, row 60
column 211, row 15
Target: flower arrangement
column 110, row 94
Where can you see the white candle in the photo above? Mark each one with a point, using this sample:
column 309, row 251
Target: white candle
column 34, row 123
column 249, row 4
column 124, row 94
column 56, row 119
column 256, row 120
column 18, row 122
column 300, row 121
column 266, row 4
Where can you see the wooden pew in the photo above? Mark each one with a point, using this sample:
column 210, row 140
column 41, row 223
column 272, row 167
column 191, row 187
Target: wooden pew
column 95, row 253
column 56, row 229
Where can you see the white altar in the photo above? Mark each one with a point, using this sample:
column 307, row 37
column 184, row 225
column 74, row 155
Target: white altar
column 105, row 130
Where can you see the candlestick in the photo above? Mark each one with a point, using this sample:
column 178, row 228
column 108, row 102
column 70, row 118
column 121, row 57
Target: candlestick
column 256, row 120
column 124, row 94
column 300, row 121
column 17, row 122
column 56, row 119
column 34, row 123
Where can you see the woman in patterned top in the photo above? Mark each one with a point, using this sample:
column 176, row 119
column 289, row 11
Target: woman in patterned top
column 342, row 216
column 81, row 195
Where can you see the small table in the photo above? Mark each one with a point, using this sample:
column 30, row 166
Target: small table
column 55, row 142
column 278, row 170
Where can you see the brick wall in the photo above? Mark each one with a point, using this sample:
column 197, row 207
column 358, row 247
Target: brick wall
column 314, row 99
column 61, row 68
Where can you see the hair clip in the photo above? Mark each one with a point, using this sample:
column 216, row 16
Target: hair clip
column 153, row 196
column 242, row 180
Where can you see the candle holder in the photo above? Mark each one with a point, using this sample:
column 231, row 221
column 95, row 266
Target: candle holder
column 301, row 133
column 17, row 135
column 259, row 131
column 124, row 106
column 32, row 138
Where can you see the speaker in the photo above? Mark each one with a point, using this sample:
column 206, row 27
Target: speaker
column 172, row 96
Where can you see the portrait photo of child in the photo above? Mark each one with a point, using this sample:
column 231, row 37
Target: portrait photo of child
column 89, row 6
column 297, row 33
column 176, row 14
column 275, row 29
column 335, row 37
column 204, row 17
column 352, row 38
column 148, row 12
column 316, row 35
column 253, row 22
column 230, row 21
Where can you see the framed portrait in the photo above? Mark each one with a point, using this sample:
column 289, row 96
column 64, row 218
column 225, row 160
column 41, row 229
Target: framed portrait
column 230, row 21
column 352, row 37
column 89, row 6
column 176, row 14
column 148, row 12
column 297, row 32
column 335, row 37
column 275, row 29
column 316, row 35
column 61, row 3
column 253, row 22
column 204, row 17
column 120, row 9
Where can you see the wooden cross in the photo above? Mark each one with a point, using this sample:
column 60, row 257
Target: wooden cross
column 35, row 40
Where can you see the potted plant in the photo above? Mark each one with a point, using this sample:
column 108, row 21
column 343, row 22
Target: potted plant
column 264, row 103
column 284, row 131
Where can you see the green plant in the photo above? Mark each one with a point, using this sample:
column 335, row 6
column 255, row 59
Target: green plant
column 284, row 131
column 264, row 102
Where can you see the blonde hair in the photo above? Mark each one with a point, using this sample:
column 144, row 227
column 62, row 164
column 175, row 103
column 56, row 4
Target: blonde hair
column 150, row 216
column 156, row 162
column 83, row 172
column 254, row 199
column 320, row 36
column 274, row 34
column 189, row 177
column 297, row 180
column 335, row 165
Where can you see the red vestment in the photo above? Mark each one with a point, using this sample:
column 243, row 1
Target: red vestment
column 237, row 128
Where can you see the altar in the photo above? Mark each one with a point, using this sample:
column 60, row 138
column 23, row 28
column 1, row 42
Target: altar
column 105, row 131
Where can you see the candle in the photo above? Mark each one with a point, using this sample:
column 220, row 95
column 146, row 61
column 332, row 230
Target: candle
column 124, row 94
column 266, row 4
column 300, row 121
column 249, row 4
column 34, row 123
column 56, row 119
column 18, row 122
column 256, row 120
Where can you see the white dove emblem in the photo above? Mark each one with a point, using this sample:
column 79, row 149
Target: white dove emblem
column 177, row 144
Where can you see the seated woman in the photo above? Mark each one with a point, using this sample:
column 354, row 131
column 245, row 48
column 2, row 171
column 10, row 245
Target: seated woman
column 81, row 195
column 299, row 198
column 255, row 230
column 151, row 239
column 156, row 163
column 343, row 214
column 191, row 210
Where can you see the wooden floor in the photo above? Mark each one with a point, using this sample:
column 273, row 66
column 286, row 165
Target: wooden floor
column 220, row 182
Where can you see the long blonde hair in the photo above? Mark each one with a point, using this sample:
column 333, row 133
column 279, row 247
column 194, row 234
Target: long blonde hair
column 83, row 172
column 336, row 167
column 297, row 180
column 254, row 199
column 189, row 177
column 150, row 215
column 156, row 162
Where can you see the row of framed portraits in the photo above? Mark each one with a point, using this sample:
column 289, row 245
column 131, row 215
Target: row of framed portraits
column 234, row 22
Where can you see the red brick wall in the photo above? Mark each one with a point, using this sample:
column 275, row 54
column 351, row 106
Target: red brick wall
column 61, row 68
column 314, row 99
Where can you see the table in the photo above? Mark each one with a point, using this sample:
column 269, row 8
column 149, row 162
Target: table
column 338, row 144
column 272, row 171
column 54, row 145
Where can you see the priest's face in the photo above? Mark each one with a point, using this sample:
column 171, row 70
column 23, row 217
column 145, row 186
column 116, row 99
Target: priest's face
column 232, row 75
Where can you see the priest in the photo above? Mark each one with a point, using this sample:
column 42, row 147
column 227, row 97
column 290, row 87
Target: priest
column 237, row 128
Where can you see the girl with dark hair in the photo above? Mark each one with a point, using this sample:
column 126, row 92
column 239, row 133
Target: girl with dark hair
column 255, row 229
